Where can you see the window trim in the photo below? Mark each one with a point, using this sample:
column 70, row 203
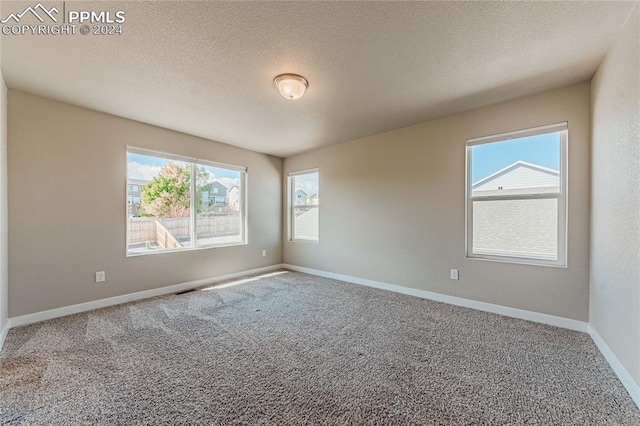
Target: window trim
column 291, row 193
column 193, row 162
column 561, row 196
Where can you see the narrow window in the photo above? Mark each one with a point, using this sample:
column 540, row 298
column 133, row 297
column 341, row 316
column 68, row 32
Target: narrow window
column 172, row 209
column 516, row 196
column 304, row 200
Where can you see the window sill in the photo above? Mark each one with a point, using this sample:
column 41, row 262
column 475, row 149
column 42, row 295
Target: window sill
column 303, row 241
column 186, row 249
column 519, row 261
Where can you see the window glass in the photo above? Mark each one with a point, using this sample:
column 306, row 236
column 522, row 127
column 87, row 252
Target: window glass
column 516, row 200
column 160, row 216
column 219, row 219
column 517, row 166
column 304, row 205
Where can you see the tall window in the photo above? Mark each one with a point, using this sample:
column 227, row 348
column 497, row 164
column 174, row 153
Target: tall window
column 516, row 196
column 304, row 201
column 175, row 207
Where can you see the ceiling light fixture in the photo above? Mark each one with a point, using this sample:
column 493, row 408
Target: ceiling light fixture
column 291, row 86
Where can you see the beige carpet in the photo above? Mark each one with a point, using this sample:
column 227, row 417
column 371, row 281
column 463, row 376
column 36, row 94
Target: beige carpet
column 294, row 349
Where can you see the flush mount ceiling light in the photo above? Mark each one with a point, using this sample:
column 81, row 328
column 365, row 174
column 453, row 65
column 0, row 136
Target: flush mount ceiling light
column 291, row 86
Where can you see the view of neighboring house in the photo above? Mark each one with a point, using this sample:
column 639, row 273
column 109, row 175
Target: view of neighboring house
column 217, row 224
column 517, row 227
column 215, row 198
column 134, row 196
column 306, row 225
column 306, row 217
column 234, row 198
column 300, row 198
column 215, row 193
column 519, row 177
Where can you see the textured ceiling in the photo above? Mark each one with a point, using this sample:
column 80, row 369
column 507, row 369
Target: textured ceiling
column 206, row 68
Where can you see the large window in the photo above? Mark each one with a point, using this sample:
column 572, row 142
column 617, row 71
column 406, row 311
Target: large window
column 182, row 203
column 304, row 202
column 516, row 196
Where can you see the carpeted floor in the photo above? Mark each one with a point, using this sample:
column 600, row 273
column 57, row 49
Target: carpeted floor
column 294, row 349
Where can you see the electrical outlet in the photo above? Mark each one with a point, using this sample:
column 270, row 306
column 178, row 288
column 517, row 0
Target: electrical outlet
column 264, row 253
column 454, row 274
column 100, row 277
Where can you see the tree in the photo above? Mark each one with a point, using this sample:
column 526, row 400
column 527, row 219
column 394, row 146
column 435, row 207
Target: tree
column 169, row 193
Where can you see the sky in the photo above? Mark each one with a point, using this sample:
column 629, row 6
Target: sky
column 308, row 183
column 145, row 167
column 543, row 150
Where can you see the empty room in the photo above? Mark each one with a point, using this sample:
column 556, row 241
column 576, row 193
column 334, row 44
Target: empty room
column 310, row 212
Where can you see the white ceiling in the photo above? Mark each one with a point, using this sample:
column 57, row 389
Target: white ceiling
column 206, row 68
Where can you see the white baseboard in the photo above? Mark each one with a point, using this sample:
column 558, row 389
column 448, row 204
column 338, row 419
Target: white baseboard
column 630, row 385
column 117, row 300
column 571, row 324
column 3, row 332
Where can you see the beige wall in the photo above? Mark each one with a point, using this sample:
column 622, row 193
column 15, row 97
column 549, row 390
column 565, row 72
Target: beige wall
column 4, row 278
column 392, row 208
column 615, row 220
column 67, row 195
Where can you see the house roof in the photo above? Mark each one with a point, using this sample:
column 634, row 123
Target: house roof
column 217, row 182
column 511, row 168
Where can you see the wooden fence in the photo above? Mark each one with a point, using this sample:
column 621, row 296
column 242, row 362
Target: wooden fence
column 164, row 237
column 143, row 229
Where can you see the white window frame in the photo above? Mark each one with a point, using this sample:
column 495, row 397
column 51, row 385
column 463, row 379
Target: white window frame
column 561, row 196
column 193, row 162
column 291, row 205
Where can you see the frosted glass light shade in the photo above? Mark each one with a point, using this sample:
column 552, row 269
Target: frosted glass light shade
column 291, row 86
